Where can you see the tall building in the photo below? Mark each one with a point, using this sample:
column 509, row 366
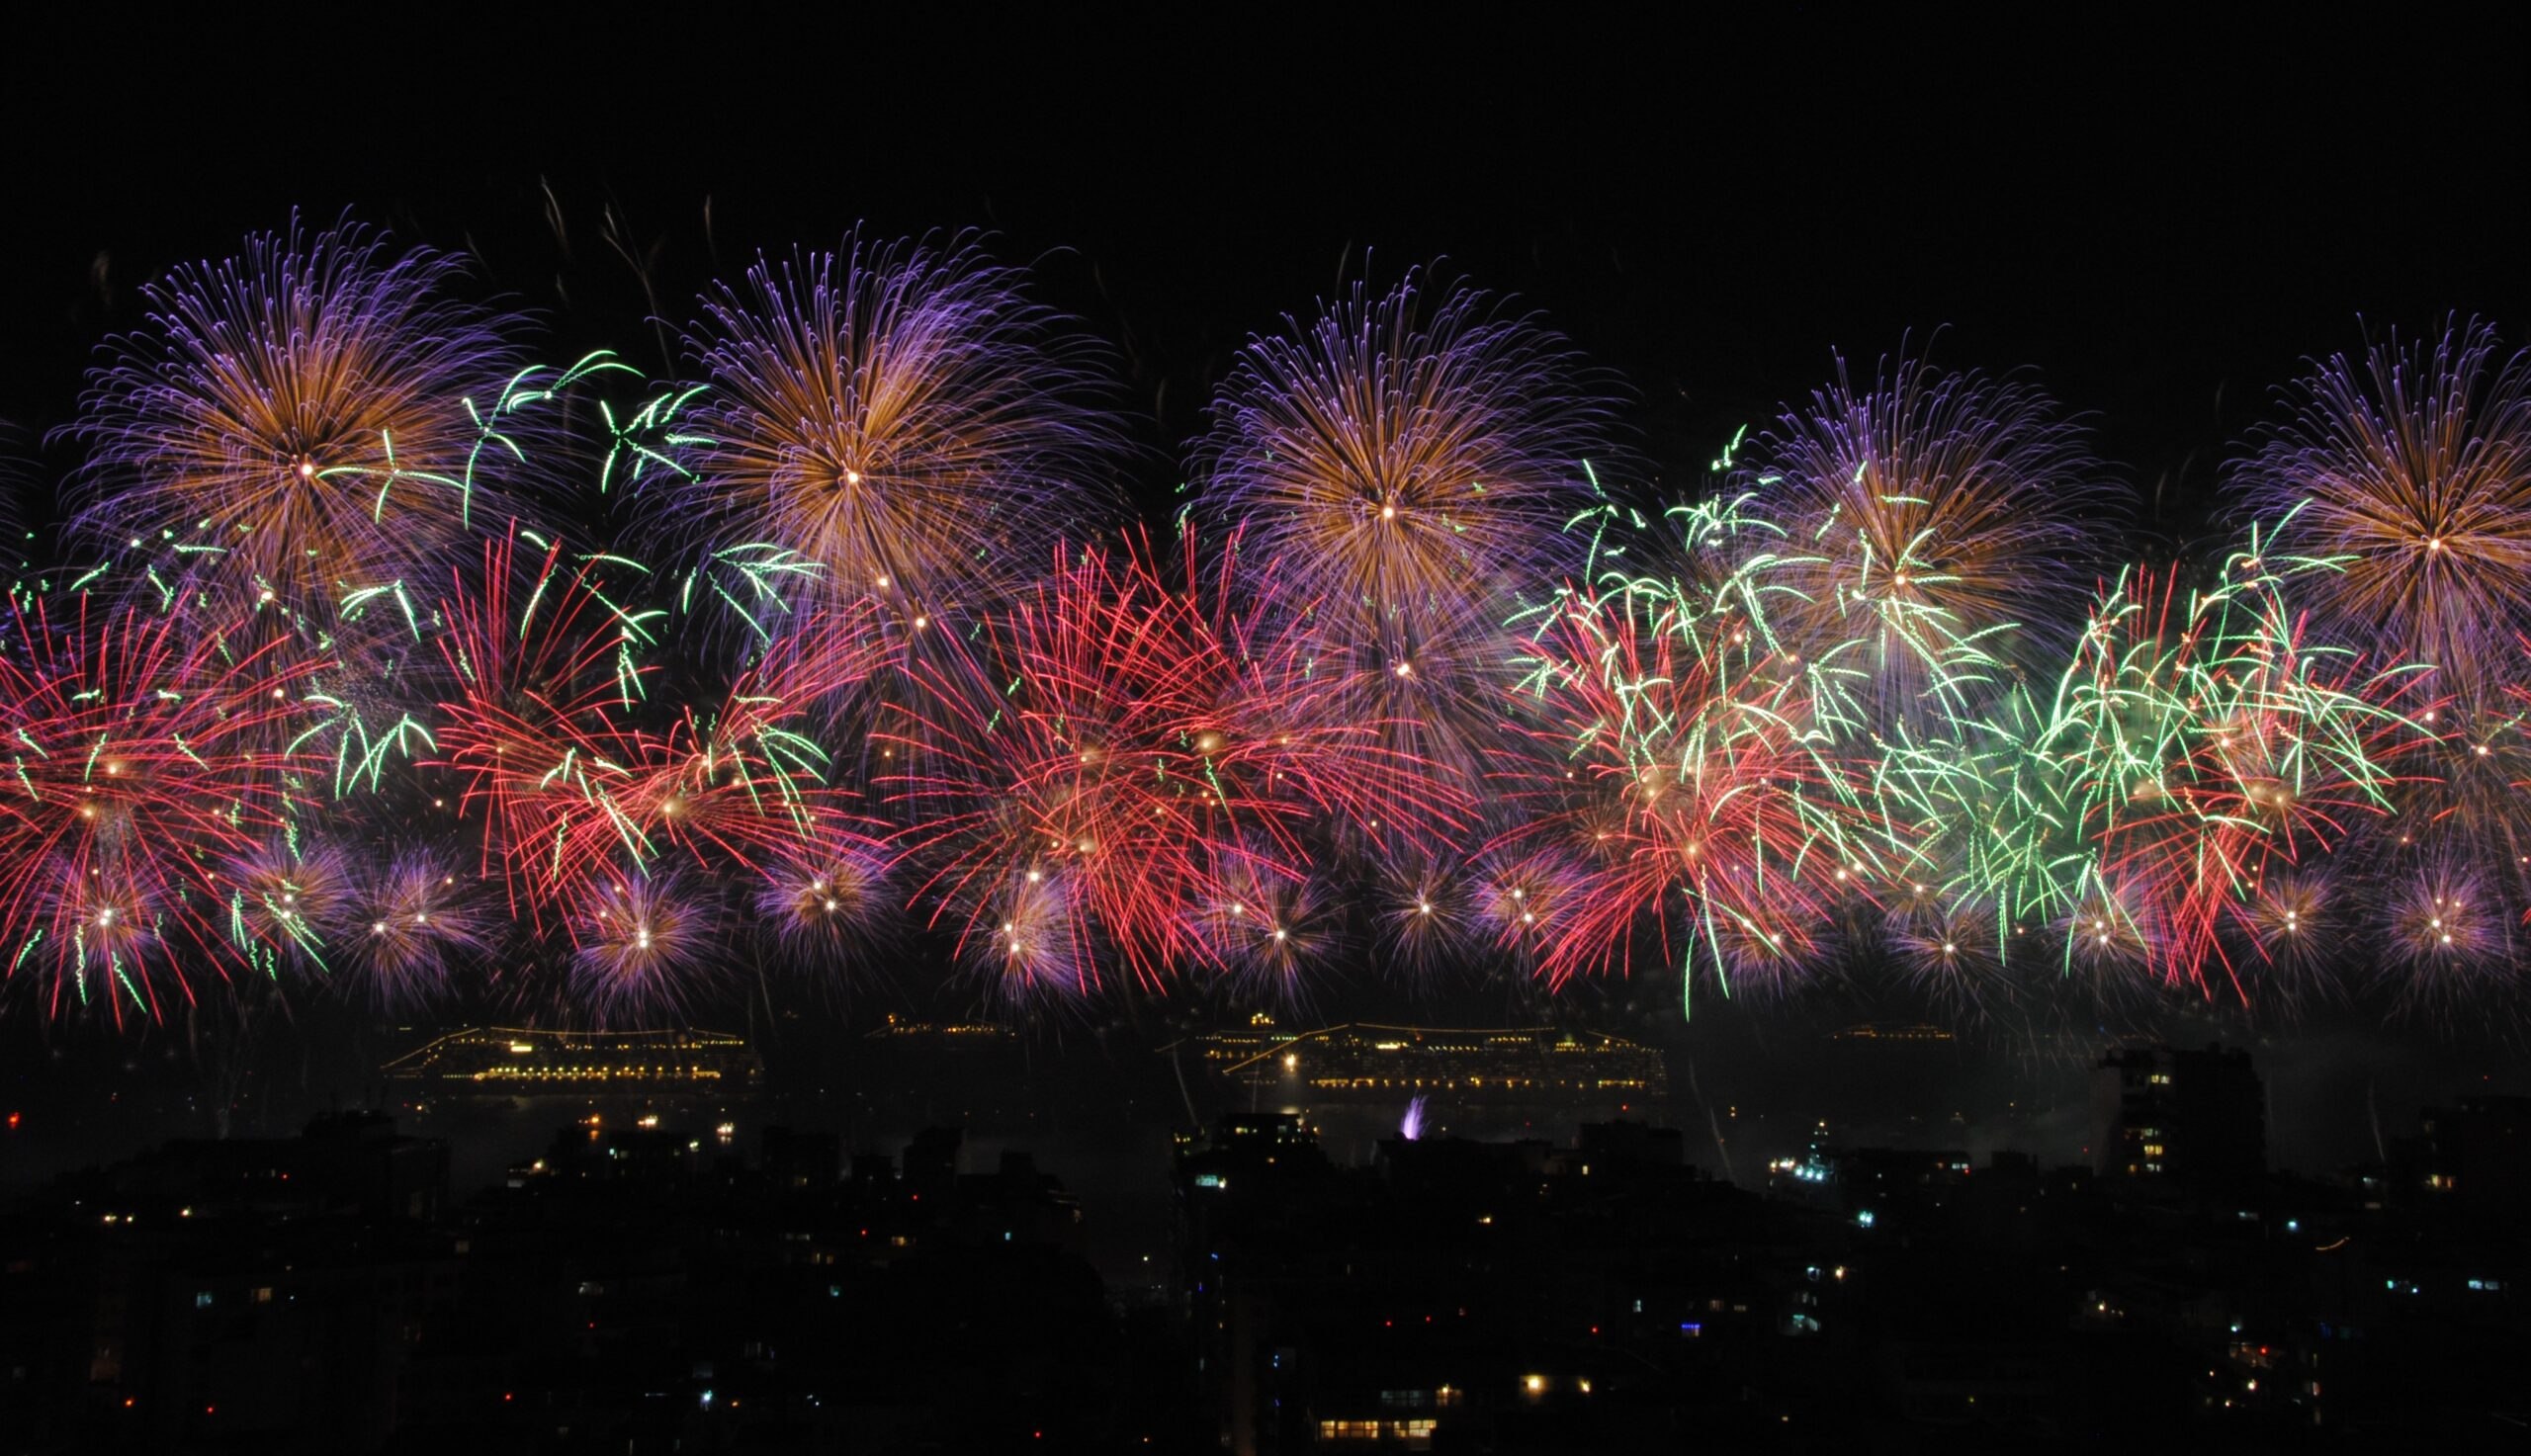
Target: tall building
column 2473, row 1156
column 2187, row 1118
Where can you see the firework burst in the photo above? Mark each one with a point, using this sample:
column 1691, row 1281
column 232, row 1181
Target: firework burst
column 2200, row 746
column 645, row 946
column 1696, row 791
column 289, row 900
column 1267, row 922
column 1426, row 919
column 541, row 660
column 1413, row 456
column 900, row 416
column 142, row 768
column 1932, row 522
column 1839, row 716
column 1958, row 955
column 414, row 923
column 2410, row 470
column 1141, row 742
column 1029, row 938
column 299, row 421
column 827, row 899
column 743, row 785
column 2447, row 937
column 1409, row 462
column 2291, row 931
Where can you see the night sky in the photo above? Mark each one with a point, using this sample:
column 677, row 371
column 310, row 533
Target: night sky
column 2161, row 215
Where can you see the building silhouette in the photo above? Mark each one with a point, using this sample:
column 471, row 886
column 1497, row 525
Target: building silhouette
column 2183, row 1119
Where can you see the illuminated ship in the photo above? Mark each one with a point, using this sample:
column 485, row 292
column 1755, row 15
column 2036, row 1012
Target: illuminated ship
column 506, row 1061
column 1372, row 1062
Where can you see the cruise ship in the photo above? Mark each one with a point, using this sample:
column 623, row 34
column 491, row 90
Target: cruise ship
column 1365, row 1060
column 508, row 1061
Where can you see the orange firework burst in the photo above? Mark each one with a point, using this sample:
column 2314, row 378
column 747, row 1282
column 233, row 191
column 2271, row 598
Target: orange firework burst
column 299, row 421
column 901, row 416
column 2409, row 469
column 1409, row 463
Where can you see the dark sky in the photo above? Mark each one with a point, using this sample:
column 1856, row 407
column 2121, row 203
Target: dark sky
column 2161, row 214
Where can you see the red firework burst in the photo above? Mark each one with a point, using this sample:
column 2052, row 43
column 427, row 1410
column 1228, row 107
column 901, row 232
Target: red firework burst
column 545, row 725
column 542, row 665
column 147, row 759
column 743, row 785
column 1144, row 747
